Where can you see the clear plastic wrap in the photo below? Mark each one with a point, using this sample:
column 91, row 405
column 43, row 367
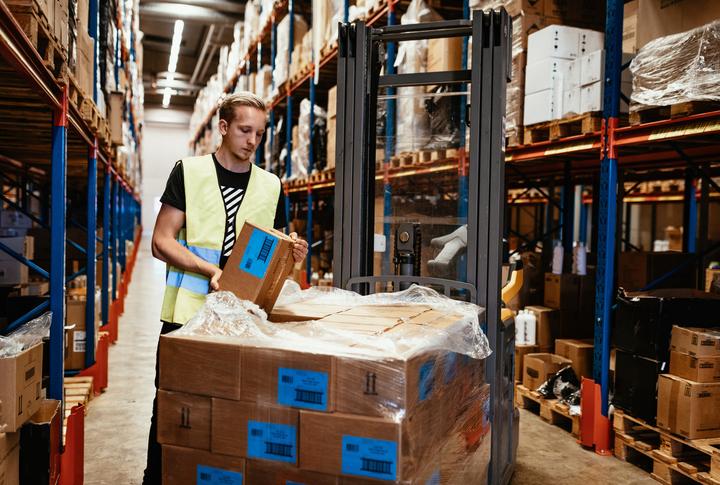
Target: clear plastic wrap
column 28, row 335
column 282, row 56
column 678, row 68
column 301, row 149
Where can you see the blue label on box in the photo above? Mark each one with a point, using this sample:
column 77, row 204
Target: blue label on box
column 271, row 441
column 303, row 388
column 258, row 253
column 434, row 479
column 207, row 475
column 426, row 379
column 290, row 482
column 450, row 367
column 369, row 458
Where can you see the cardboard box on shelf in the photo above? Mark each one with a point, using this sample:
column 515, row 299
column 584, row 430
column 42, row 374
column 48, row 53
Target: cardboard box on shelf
column 116, row 106
column 444, row 54
column 542, row 106
column 548, row 326
column 562, row 291
column 186, row 466
column 520, row 352
column 645, row 20
column 636, row 380
column 8, row 442
column 332, row 103
column 184, row 419
column 40, row 445
column 710, row 274
column 76, row 335
column 260, row 262
column 697, row 342
column 204, row 365
column 698, row 369
column 20, row 388
column 636, row 269
column 331, row 142
column 84, row 45
column 288, row 378
column 546, row 74
column 23, row 245
column 255, row 430
column 690, row 409
column 14, row 219
column 13, row 272
column 580, row 352
column 538, row 368
column 274, row 473
column 10, row 467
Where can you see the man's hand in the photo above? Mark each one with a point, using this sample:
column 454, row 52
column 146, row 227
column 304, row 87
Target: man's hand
column 214, row 278
column 300, row 247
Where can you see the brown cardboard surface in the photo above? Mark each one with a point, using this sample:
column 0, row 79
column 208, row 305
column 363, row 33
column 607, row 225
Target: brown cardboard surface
column 260, row 382
column 698, row 342
column 270, row 259
column 520, row 352
column 20, row 391
column 331, row 142
column 301, row 312
column 636, row 269
column 184, row 419
column 273, row 473
column 537, row 368
column 181, row 466
column 580, row 352
column 204, row 365
column 548, row 325
column 10, row 468
column 230, row 424
column 8, row 441
column 562, row 291
column 387, row 387
column 444, row 54
column 698, row 369
column 332, row 102
column 76, row 336
column 710, row 275
column 398, row 311
column 690, row 409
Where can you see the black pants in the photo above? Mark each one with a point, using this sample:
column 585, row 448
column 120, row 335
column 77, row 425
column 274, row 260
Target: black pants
column 153, row 469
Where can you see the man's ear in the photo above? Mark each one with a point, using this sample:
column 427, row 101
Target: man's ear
column 223, row 126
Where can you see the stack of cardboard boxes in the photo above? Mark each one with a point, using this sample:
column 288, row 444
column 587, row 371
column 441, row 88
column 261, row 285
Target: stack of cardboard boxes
column 331, row 127
column 233, row 407
column 689, row 396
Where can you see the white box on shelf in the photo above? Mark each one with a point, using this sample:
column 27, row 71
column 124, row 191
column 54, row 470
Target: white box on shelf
column 590, row 41
column 570, row 75
column 541, row 106
column 23, row 245
column 16, row 219
column 13, row 272
column 591, row 97
column 571, row 102
column 592, row 67
column 554, row 41
column 544, row 75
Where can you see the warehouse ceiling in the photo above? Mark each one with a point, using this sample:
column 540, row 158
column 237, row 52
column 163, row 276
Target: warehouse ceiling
column 208, row 26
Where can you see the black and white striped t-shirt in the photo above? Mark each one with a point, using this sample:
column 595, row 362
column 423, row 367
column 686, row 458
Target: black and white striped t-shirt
column 232, row 186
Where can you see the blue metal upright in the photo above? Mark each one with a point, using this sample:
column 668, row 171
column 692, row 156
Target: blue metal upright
column 93, row 23
column 567, row 214
column 462, row 150
column 690, row 212
column 114, row 236
column 57, row 248
column 311, row 167
column 91, row 225
column 605, row 277
column 121, row 224
column 107, row 247
column 288, row 110
column 273, row 51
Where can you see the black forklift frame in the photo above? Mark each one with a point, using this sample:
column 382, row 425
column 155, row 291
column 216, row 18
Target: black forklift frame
column 358, row 81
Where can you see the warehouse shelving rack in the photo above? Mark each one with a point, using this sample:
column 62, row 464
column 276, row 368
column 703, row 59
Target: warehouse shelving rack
column 45, row 148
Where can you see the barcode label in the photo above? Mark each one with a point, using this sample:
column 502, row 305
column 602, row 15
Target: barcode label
column 207, row 475
column 258, row 253
column 303, row 388
column 369, row 457
column 272, row 441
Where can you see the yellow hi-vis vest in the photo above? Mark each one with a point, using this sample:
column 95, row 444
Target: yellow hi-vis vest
column 204, row 230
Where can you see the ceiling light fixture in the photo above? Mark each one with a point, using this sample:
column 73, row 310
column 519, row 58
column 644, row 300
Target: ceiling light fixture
column 172, row 62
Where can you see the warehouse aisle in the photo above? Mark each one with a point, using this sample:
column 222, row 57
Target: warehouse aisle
column 117, row 423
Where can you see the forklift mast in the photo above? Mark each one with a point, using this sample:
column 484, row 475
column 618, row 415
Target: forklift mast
column 359, row 79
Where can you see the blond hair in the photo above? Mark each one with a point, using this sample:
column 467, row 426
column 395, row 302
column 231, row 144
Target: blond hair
column 243, row 98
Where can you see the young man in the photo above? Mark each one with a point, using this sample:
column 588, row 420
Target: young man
column 206, row 202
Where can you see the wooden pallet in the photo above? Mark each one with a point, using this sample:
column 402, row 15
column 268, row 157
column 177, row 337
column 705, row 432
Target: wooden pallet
column 679, row 110
column 37, row 28
column 90, row 113
column 76, row 96
column 550, row 410
column 78, row 391
column 514, row 138
column 583, row 124
column 669, row 458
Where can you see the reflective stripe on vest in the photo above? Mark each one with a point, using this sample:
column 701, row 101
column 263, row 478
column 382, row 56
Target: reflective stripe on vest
column 204, row 230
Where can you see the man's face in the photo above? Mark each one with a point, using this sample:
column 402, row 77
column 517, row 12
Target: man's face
column 244, row 133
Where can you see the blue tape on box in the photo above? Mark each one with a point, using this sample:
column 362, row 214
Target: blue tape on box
column 426, row 379
column 258, row 253
column 303, row 389
column 368, row 457
column 270, row 441
column 207, row 475
column 434, row 479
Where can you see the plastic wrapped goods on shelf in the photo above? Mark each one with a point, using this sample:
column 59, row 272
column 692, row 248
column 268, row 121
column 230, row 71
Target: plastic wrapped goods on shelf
column 678, row 68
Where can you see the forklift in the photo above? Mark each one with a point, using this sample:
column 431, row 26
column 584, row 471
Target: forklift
column 475, row 241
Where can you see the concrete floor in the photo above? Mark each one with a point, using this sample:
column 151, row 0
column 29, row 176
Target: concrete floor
column 117, row 423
